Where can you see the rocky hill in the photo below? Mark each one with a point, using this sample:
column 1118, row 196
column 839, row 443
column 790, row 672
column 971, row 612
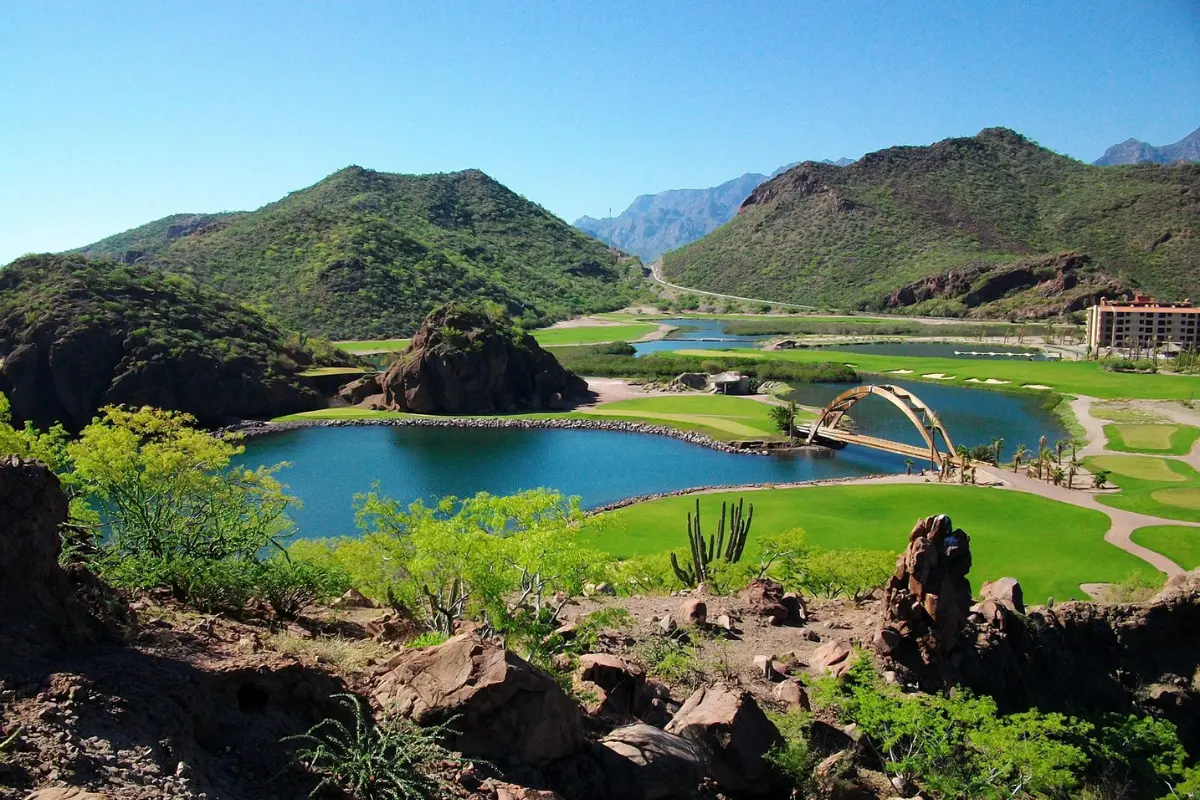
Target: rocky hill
column 857, row 236
column 469, row 360
column 656, row 223
column 1132, row 151
column 78, row 334
column 367, row 254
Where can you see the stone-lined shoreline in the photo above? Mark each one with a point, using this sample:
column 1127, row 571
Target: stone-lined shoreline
column 252, row 428
column 731, row 487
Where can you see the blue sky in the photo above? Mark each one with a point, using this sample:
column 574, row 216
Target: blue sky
column 114, row 114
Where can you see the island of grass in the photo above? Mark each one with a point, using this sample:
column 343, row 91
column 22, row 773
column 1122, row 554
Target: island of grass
column 1179, row 543
column 1176, row 440
column 720, row 417
column 1159, row 487
column 1064, row 377
column 365, row 347
column 1050, row 547
column 583, row 334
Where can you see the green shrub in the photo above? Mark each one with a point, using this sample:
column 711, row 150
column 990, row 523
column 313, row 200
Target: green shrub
column 671, row 660
column 794, row 759
column 288, row 586
column 836, row 573
column 648, row 574
column 427, row 639
column 395, row 759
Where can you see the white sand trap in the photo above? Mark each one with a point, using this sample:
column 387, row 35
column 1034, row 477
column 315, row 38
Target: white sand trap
column 899, row 372
column 995, row 381
column 938, row 376
column 1036, row 386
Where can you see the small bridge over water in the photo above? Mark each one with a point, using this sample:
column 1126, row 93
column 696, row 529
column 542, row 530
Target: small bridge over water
column 924, row 419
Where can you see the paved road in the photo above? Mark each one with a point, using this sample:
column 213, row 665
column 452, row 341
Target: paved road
column 654, row 274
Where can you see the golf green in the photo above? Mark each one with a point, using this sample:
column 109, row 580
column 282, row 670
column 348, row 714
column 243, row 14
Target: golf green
column 1177, row 542
column 1160, row 487
column 1050, row 547
column 1174, row 440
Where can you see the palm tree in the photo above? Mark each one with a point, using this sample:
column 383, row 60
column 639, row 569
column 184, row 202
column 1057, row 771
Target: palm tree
column 964, row 453
column 997, row 447
column 1058, row 448
column 1057, row 475
column 1072, row 470
column 1099, row 478
column 908, row 465
column 1022, row 451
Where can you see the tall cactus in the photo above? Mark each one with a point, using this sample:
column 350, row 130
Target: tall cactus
column 702, row 553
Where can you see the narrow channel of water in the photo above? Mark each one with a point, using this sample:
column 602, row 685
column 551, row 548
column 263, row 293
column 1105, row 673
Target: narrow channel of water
column 696, row 334
column 330, row 465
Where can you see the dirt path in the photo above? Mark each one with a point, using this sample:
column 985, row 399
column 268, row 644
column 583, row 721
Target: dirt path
column 656, row 267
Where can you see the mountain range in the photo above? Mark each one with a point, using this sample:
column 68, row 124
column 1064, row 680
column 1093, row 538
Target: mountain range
column 656, row 223
column 930, row 227
column 365, row 254
column 1132, row 151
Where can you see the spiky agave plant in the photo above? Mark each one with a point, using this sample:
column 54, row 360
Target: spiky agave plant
column 391, row 760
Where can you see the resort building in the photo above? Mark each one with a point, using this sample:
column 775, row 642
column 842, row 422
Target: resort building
column 1142, row 323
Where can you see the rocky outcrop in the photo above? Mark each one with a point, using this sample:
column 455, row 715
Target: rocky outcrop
column 764, row 598
column 37, row 605
column 619, row 688
column 503, row 706
column 1068, row 280
column 734, row 734
column 469, row 361
column 928, row 598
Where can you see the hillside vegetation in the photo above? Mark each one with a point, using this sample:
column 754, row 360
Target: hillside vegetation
column 993, row 222
column 367, row 254
column 77, row 334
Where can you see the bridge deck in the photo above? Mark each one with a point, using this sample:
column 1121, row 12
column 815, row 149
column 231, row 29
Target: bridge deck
column 910, row 450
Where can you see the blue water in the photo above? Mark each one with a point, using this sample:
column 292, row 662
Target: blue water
column 330, row 465
column 691, row 334
column 973, row 416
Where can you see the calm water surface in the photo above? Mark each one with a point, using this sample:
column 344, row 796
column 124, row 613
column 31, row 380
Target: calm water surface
column 696, row 334
column 330, row 465
column 974, row 350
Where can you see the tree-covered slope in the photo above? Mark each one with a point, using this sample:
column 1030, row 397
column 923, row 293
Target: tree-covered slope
column 364, row 254
column 853, row 236
column 146, row 240
column 77, row 334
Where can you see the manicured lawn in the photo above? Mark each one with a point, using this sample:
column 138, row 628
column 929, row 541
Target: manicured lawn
column 718, row 416
column 373, row 346
column 1161, row 487
column 1065, row 377
column 593, row 334
column 1176, row 542
column 1174, row 440
column 1050, row 547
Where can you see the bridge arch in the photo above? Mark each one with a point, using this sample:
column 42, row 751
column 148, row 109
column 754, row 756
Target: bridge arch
column 923, row 418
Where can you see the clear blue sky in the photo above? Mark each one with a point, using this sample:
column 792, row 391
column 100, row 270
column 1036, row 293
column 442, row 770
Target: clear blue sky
column 113, row 114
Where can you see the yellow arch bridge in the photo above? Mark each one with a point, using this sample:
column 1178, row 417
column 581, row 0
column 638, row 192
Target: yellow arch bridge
column 939, row 448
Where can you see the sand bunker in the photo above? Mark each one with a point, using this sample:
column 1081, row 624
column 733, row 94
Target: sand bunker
column 1036, row 386
column 938, row 376
column 899, row 372
column 992, row 381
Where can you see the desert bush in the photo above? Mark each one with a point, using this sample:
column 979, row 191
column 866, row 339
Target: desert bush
column 395, row 759
column 794, row 759
column 288, row 586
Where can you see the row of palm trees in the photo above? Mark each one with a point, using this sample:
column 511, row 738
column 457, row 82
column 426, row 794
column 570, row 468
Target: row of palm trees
column 1046, row 463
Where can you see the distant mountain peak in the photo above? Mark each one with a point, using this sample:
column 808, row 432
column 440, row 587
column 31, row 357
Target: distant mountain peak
column 656, row 223
column 1135, row 151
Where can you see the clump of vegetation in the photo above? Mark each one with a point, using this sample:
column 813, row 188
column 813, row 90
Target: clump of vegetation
column 394, row 759
column 852, row 573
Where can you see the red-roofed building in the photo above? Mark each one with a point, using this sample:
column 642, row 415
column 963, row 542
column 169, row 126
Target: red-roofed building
column 1141, row 322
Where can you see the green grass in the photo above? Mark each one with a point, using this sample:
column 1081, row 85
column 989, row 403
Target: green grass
column 593, row 334
column 1065, row 377
column 362, row 346
column 721, row 417
column 1176, row 440
column 317, row 372
column 1176, row 542
column 1050, row 547
column 1160, row 487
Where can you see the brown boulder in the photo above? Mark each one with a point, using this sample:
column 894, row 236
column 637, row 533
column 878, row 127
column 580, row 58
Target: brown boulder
column 693, row 611
column 764, row 598
column 65, row 793
column 645, row 763
column 622, row 684
column 502, row 706
column 1006, row 591
column 734, row 733
column 791, row 693
column 468, row 361
column 833, row 657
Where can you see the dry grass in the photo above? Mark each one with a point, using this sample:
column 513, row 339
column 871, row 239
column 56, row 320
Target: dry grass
column 344, row 655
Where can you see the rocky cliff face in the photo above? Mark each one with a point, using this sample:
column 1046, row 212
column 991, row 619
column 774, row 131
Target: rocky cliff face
column 467, row 361
column 1132, row 151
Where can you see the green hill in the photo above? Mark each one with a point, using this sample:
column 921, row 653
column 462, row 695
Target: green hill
column 366, row 254
column 77, row 334
column 992, row 222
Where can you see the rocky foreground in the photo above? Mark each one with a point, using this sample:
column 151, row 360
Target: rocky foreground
column 148, row 699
